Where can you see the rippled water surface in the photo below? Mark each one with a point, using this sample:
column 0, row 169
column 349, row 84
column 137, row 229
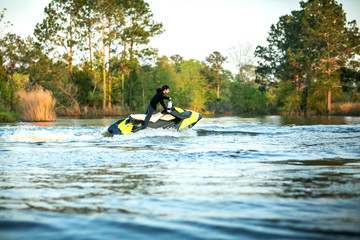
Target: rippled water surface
column 227, row 178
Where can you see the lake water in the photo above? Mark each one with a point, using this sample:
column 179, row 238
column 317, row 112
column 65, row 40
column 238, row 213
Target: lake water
column 227, row 178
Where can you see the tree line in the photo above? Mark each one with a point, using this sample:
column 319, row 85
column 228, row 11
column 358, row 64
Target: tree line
column 95, row 54
column 314, row 54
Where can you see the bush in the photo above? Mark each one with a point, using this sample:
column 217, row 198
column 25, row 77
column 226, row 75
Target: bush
column 247, row 99
column 36, row 105
column 8, row 116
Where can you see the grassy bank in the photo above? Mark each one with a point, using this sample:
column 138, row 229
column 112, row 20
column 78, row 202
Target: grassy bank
column 39, row 106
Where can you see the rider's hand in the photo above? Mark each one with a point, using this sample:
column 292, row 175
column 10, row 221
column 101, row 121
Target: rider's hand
column 169, row 111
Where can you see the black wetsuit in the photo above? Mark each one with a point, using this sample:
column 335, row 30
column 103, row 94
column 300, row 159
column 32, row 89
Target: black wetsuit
column 158, row 97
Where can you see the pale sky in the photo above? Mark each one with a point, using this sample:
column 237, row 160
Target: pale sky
column 193, row 28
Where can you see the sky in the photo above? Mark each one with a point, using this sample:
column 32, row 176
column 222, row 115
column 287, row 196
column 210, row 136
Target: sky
column 193, row 28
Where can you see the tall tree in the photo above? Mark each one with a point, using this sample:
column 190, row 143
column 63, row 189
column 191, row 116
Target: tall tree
column 87, row 24
column 133, row 33
column 106, row 12
column 193, row 84
column 5, row 91
column 141, row 27
column 242, row 55
column 115, row 15
column 12, row 50
column 177, row 59
column 286, row 57
column 3, row 25
column 307, row 48
column 216, row 60
column 334, row 40
column 101, row 10
column 60, row 29
column 350, row 81
column 59, row 35
column 31, row 58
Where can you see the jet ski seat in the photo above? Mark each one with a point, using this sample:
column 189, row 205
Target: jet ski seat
column 154, row 118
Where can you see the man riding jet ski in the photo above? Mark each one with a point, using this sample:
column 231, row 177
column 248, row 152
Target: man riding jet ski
column 178, row 118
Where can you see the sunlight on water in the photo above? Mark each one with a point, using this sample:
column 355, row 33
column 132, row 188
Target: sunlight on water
column 227, row 178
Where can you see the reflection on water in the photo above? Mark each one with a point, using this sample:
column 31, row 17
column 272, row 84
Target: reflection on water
column 227, row 178
column 317, row 120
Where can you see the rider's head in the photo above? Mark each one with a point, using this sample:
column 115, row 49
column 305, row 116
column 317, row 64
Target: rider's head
column 165, row 89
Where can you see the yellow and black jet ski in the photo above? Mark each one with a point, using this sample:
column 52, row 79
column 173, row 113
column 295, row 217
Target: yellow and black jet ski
column 178, row 119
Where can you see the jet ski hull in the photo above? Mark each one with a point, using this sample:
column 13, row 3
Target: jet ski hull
column 179, row 119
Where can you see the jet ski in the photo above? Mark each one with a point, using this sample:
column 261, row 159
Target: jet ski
column 178, row 118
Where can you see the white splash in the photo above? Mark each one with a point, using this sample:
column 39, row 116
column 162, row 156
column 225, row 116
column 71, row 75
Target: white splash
column 76, row 134
column 39, row 134
column 31, row 135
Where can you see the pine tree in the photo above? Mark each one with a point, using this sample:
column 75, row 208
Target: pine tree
column 216, row 60
column 308, row 48
column 333, row 41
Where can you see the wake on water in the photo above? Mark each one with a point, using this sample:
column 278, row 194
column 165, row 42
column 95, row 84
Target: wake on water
column 78, row 134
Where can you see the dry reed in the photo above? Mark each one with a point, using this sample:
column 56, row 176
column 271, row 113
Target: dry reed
column 347, row 108
column 37, row 105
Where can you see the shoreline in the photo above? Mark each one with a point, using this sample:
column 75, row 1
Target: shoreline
column 246, row 115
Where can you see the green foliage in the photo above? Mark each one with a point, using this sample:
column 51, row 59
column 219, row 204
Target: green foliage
column 84, row 82
column 7, row 90
column 246, row 98
column 307, row 48
column 142, row 91
column 309, row 61
column 350, row 81
column 148, row 79
column 192, row 85
column 287, row 98
column 8, row 116
column 215, row 61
